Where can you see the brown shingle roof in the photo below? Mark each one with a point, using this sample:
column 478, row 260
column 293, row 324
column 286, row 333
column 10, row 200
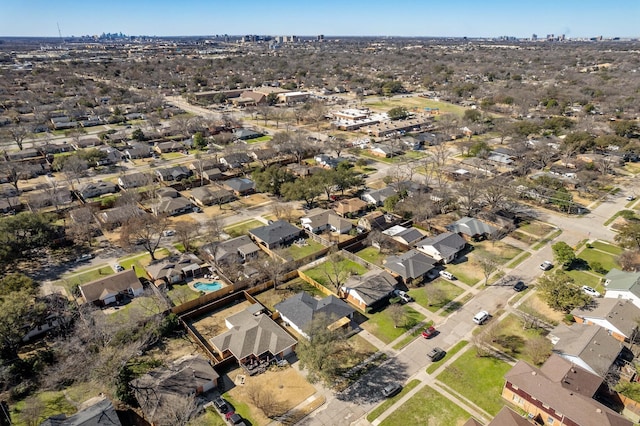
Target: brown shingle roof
column 116, row 283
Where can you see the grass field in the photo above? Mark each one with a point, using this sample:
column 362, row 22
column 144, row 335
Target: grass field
column 536, row 228
column 512, row 337
column 320, row 272
column 381, row 325
column 389, row 402
column 443, row 291
column 87, row 276
column 298, row 252
column 454, row 350
column 413, row 103
column 371, row 255
column 427, row 407
column 479, row 379
column 242, row 227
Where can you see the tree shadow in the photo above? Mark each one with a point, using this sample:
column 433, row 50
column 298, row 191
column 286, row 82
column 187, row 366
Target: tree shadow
column 368, row 389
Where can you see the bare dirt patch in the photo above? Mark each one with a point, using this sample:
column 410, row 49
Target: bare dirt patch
column 288, row 386
column 535, row 305
column 213, row 324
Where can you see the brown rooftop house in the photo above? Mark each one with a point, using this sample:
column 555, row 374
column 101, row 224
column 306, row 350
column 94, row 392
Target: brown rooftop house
column 175, row 269
column 618, row 316
column 350, row 207
column 189, row 375
column 378, row 220
column 235, row 250
column 559, row 393
column 210, row 195
column 253, row 338
column 112, row 288
column 118, row 216
column 411, row 266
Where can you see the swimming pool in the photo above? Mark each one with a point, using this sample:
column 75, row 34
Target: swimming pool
column 208, row 286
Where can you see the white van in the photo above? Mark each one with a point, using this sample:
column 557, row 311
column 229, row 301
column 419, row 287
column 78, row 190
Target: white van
column 481, row 317
column 448, row 275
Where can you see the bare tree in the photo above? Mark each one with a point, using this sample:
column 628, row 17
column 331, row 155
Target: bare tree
column 18, row 133
column 14, row 171
column 146, row 230
column 265, row 400
column 34, row 411
column 175, row 410
column 186, row 233
column 468, row 196
column 336, row 271
column 538, row 349
column 488, row 266
column 435, row 295
column 283, row 211
column 397, row 314
column 273, row 268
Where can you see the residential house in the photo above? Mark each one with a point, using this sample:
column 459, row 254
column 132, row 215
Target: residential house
column 384, row 150
column 350, row 207
column 168, row 192
column 319, row 220
column 623, row 285
column 112, row 156
column 96, row 189
column 174, row 173
column 253, row 336
column 618, row 316
column 173, row 206
column 442, row 247
column 277, row 234
column 10, row 204
column 505, row 417
column 137, row 150
column 368, row 290
column 412, row 143
column 117, row 216
column 558, row 393
column 265, row 155
column 170, row 146
column 246, row 134
column 165, row 386
column 590, row 347
column 235, row 160
column 328, row 162
column 378, row 221
column 472, row 228
column 112, row 288
column 53, row 196
column 81, row 215
column 407, row 237
column 240, row 185
column 210, row 195
column 175, row 269
column 299, row 311
column 96, row 411
column 376, row 197
column 86, row 143
column 410, row 266
column 235, row 250
column 134, row 180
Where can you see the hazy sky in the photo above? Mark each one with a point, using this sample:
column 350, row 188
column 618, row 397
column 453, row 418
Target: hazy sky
column 472, row 18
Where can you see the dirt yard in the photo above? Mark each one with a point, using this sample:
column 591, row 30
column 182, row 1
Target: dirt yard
column 287, row 385
column 213, row 324
column 535, row 304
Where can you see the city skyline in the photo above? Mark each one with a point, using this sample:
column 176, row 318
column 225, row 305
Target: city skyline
column 470, row 18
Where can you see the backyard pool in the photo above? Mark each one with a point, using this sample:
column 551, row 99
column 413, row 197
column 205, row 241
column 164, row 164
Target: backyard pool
column 207, row 286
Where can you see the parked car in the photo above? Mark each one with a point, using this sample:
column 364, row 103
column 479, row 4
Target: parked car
column 590, row 291
column 546, row 265
column 85, row 257
column 631, row 197
column 403, row 295
column 448, row 275
column 436, row 354
column 118, row 267
column 481, row 317
column 233, row 418
column 168, row 233
column 221, row 405
column 429, row 332
column 391, row 390
column 519, row 286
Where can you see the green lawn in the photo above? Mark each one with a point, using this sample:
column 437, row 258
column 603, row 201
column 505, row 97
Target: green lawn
column 585, row 278
column 390, row 401
column 519, row 260
column 265, row 138
column 297, row 252
column 180, row 294
column 591, row 255
column 451, row 352
column 479, row 379
column 609, row 248
column 172, row 155
column 240, row 408
column 511, row 337
column 536, row 228
column 52, row 402
column 413, row 103
column 371, row 255
column 319, row 273
column 381, row 325
column 498, row 250
column 467, row 272
column 442, row 290
column 242, row 227
column 87, row 276
column 210, row 417
column 141, row 261
column 427, row 407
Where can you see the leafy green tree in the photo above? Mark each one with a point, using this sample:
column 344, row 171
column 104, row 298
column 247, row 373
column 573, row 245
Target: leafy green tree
column 138, row 135
column 19, row 311
column 17, row 281
column 398, row 113
column 391, row 202
column 391, row 87
column 625, row 128
column 272, row 99
column 564, row 254
column 525, row 128
column 271, row 179
column 199, row 141
column 561, row 293
column 557, row 124
column 629, row 235
column 307, row 189
column 472, row 116
column 563, row 199
column 579, row 141
column 23, row 233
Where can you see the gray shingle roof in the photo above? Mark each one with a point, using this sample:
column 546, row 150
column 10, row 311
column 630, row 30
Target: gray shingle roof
column 446, row 243
column 277, row 231
column 372, row 286
column 252, row 335
column 411, row 264
column 471, row 226
column 620, row 313
column 302, row 308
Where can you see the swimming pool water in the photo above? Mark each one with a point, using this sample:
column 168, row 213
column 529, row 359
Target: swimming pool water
column 207, row 286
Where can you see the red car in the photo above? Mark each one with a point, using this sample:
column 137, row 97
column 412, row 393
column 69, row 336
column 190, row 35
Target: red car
column 429, row 332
